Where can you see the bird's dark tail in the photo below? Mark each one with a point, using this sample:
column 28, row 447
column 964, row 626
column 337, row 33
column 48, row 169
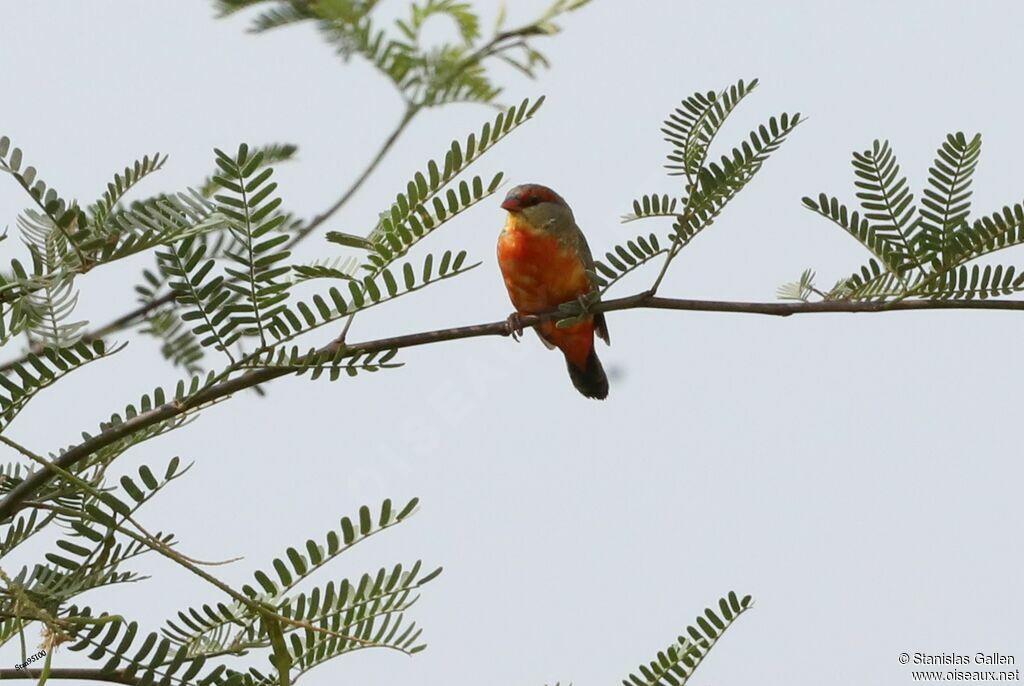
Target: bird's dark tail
column 590, row 380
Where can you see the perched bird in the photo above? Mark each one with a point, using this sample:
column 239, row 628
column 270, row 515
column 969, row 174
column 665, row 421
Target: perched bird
column 544, row 260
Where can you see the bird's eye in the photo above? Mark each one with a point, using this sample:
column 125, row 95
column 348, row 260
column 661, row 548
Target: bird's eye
column 531, row 200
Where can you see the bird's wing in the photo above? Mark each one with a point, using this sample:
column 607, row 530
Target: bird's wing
column 600, row 324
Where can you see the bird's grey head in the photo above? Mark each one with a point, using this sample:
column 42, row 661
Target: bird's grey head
column 539, row 206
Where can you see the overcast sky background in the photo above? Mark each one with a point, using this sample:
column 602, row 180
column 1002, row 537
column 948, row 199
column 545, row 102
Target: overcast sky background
column 858, row 475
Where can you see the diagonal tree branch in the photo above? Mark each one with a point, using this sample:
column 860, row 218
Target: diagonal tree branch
column 410, row 112
column 15, row 499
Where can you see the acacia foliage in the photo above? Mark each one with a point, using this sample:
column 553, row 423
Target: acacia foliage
column 928, row 246
column 226, row 300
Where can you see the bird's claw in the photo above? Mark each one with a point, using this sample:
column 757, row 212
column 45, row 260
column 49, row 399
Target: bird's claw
column 514, row 325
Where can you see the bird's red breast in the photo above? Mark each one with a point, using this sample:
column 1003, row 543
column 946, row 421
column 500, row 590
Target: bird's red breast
column 542, row 272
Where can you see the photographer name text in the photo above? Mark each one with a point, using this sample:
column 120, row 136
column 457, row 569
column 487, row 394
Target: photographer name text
column 962, row 659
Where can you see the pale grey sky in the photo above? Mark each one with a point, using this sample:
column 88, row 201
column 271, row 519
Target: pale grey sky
column 858, row 475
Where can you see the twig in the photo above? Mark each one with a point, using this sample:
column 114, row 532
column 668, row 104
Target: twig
column 410, row 112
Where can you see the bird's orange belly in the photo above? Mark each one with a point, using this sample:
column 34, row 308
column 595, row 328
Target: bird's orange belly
column 539, row 271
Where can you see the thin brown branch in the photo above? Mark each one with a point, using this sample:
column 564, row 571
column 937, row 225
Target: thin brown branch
column 14, row 501
column 319, row 219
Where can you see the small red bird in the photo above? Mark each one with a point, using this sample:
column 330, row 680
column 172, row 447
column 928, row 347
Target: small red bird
column 544, row 259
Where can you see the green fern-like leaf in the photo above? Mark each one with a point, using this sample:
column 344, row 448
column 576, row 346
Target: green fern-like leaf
column 676, row 664
column 295, row 566
column 342, row 268
column 460, row 12
column 398, row 240
column 250, row 205
column 39, row 370
column 159, row 397
column 22, row 528
column 652, row 205
column 49, row 296
column 870, row 282
column 717, row 184
column 428, row 201
column 998, row 231
column 270, row 154
column 945, row 202
column 94, row 555
column 101, row 210
column 888, row 205
column 178, row 343
column 923, row 251
column 354, row 613
column 66, row 218
column 450, row 74
column 351, row 607
column 316, row 363
column 390, row 630
column 800, row 290
column 694, row 124
column 50, row 309
column 710, row 186
column 14, row 318
column 881, row 244
column 373, row 289
column 425, row 76
column 146, row 658
column 203, row 295
column 626, row 258
column 185, row 390
column 969, row 283
column 350, row 29
column 151, row 223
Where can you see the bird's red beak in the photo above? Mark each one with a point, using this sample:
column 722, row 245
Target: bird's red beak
column 511, row 204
